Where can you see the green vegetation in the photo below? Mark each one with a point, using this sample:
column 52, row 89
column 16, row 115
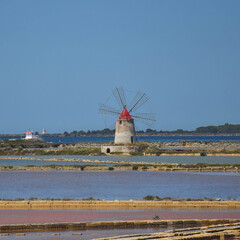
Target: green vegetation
column 19, row 199
column 146, row 198
column 203, row 130
column 135, row 168
column 21, row 144
column 91, row 199
column 28, row 147
column 226, row 128
column 155, row 198
column 149, row 198
column 32, row 198
column 137, row 153
column 82, row 168
column 116, row 153
column 105, row 131
column 154, row 150
column 221, row 129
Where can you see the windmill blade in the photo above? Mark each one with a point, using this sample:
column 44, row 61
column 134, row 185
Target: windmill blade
column 146, row 118
column 119, row 95
column 106, row 110
column 138, row 101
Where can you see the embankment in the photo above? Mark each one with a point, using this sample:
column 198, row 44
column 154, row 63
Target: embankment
column 128, row 167
column 101, row 204
column 97, row 165
column 114, row 224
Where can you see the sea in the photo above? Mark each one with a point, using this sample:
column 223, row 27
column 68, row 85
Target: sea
column 139, row 139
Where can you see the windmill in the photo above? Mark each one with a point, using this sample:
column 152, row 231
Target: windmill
column 125, row 129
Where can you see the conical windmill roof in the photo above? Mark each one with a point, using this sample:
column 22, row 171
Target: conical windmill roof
column 125, row 114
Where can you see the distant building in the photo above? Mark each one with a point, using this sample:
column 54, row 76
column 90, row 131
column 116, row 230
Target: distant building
column 44, row 131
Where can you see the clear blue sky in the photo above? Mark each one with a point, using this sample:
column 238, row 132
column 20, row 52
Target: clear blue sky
column 60, row 59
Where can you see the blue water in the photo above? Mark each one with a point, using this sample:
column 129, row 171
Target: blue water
column 118, row 185
column 140, row 139
column 86, row 234
column 24, row 163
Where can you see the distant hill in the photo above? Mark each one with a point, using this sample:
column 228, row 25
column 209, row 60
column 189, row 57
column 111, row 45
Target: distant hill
column 226, row 128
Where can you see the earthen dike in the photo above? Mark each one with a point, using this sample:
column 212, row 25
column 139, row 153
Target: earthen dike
column 102, row 204
column 117, row 166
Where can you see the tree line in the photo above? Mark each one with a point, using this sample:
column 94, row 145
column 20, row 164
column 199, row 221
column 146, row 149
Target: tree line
column 221, row 129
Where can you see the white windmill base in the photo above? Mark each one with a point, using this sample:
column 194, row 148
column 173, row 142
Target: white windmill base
column 124, row 149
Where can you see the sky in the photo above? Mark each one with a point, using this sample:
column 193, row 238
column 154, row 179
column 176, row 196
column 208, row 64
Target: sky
column 59, row 59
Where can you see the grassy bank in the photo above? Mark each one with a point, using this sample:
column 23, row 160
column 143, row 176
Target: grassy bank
column 125, row 166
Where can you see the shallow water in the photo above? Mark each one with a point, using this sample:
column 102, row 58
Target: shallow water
column 86, row 235
column 148, row 159
column 21, row 163
column 47, row 216
column 118, row 185
column 27, row 216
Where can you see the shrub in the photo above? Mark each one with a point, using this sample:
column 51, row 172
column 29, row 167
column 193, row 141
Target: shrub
column 137, row 153
column 135, row 167
column 82, row 168
column 20, row 148
column 89, row 198
column 19, row 199
column 149, row 198
column 111, row 168
column 32, row 198
column 158, row 198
